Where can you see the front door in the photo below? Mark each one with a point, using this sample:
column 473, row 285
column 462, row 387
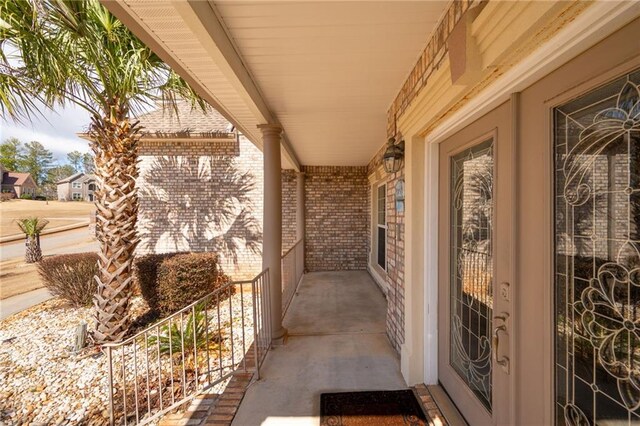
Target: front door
column 475, row 314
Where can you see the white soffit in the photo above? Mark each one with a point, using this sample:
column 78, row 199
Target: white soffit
column 326, row 71
column 162, row 24
column 330, row 70
column 175, row 31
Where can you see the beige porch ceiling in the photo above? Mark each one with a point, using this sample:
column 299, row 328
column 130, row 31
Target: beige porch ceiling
column 326, row 71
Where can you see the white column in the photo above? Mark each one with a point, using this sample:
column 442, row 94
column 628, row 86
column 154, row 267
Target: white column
column 272, row 224
column 299, row 206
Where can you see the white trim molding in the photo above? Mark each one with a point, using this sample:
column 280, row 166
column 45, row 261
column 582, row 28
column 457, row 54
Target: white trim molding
column 431, row 167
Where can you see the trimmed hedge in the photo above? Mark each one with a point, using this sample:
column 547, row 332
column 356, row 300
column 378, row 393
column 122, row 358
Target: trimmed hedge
column 70, row 276
column 146, row 277
column 169, row 282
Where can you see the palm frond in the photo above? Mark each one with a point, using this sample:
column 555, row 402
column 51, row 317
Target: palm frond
column 68, row 51
column 186, row 338
column 31, row 226
column 59, row 52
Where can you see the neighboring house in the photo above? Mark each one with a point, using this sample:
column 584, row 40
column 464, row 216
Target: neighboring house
column 77, row 187
column 18, row 184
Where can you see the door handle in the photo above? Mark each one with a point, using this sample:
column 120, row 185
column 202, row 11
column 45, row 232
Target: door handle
column 495, row 342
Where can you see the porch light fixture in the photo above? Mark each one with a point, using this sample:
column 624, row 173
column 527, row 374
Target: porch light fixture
column 393, row 156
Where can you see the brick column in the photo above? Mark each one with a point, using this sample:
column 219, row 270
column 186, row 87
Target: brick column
column 272, row 225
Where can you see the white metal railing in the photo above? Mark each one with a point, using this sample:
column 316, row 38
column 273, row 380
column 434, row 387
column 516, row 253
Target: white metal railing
column 197, row 348
column 292, row 271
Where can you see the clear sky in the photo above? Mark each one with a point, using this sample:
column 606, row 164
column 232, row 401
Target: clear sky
column 56, row 131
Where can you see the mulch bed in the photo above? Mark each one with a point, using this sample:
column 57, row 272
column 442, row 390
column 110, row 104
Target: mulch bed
column 384, row 408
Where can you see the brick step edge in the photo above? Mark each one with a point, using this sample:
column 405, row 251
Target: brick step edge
column 213, row 409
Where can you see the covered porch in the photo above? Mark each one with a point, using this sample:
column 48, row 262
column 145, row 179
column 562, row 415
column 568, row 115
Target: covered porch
column 336, row 342
column 319, row 87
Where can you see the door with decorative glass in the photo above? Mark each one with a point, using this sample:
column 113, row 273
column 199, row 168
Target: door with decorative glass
column 597, row 255
column 475, row 210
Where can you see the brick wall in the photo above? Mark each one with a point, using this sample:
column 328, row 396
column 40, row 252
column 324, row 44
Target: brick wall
column 289, row 196
column 394, row 276
column 336, row 218
column 430, row 61
column 203, row 196
column 185, row 186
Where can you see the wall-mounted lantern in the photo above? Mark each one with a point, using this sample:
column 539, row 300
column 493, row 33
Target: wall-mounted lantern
column 393, row 156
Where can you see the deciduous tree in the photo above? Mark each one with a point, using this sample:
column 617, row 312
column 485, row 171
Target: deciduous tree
column 10, row 151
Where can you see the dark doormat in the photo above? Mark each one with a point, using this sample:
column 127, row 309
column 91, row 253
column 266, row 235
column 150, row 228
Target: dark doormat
column 385, row 408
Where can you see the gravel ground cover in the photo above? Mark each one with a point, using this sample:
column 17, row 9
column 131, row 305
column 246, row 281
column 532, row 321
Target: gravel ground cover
column 43, row 382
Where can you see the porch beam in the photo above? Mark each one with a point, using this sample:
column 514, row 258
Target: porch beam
column 204, row 20
column 272, row 224
column 204, row 23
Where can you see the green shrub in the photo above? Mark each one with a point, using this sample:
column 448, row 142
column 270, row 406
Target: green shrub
column 26, row 197
column 146, row 277
column 70, row 276
column 186, row 338
column 185, row 278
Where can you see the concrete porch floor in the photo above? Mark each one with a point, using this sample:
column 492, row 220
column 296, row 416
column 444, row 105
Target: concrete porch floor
column 337, row 342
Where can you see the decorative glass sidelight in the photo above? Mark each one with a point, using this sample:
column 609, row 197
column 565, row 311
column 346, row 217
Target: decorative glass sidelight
column 471, row 267
column 597, row 256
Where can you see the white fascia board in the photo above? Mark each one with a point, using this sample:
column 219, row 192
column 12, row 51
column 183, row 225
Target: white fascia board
column 124, row 13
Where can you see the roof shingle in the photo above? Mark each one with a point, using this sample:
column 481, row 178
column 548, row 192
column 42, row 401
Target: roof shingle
column 190, row 122
column 71, row 178
column 14, row 178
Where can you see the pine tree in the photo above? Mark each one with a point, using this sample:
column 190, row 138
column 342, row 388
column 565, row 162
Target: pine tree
column 37, row 160
column 88, row 163
column 76, row 159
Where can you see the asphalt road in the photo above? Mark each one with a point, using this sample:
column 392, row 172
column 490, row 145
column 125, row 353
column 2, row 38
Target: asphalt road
column 13, row 305
column 75, row 241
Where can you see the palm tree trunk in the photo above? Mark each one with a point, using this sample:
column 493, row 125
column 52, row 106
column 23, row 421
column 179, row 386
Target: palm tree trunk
column 32, row 253
column 114, row 143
